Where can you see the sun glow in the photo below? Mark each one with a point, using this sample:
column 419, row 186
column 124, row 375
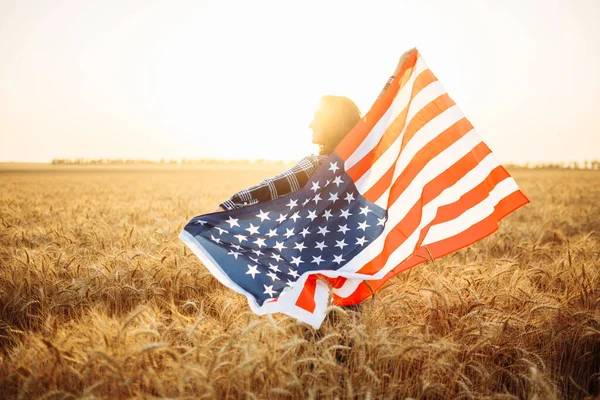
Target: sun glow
column 238, row 103
column 235, row 90
column 233, row 79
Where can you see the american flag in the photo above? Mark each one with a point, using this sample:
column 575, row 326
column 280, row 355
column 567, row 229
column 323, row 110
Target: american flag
column 412, row 180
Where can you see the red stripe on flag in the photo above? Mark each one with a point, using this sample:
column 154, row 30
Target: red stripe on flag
column 306, row 300
column 335, row 283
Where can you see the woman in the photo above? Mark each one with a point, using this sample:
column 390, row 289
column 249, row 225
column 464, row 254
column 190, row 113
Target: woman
column 333, row 119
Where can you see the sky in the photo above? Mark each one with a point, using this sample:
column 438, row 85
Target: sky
column 241, row 79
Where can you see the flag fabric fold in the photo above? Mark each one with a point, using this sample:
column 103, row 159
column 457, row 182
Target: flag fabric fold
column 412, row 180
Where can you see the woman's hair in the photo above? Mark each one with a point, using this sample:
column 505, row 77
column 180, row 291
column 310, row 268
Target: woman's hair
column 337, row 116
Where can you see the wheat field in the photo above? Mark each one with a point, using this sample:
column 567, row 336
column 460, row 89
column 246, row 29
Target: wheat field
column 100, row 299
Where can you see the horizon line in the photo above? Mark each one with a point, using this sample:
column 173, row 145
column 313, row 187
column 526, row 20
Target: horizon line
column 183, row 160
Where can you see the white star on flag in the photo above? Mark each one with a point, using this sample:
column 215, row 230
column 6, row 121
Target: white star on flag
column 289, row 232
column 263, row 216
column 317, row 260
column 338, row 259
column 363, row 225
column 341, row 243
column 240, row 237
column 349, row 197
column 361, row 241
column 279, row 246
column 272, row 232
column 252, row 270
column 343, row 228
column 233, row 222
column 296, row 260
column 364, row 210
column 260, row 242
column 252, row 229
column 321, row 245
column 292, row 203
column 269, row 290
column 293, row 273
column 299, row 246
column 274, row 267
column 323, row 230
column 305, row 232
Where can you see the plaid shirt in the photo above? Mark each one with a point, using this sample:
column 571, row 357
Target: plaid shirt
column 287, row 182
column 272, row 188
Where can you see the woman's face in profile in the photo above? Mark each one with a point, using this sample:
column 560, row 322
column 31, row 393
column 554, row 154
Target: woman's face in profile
column 317, row 127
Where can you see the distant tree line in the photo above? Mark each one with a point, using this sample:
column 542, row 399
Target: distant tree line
column 163, row 161
column 586, row 164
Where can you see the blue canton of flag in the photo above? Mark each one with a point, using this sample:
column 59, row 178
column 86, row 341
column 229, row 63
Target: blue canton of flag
column 263, row 250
